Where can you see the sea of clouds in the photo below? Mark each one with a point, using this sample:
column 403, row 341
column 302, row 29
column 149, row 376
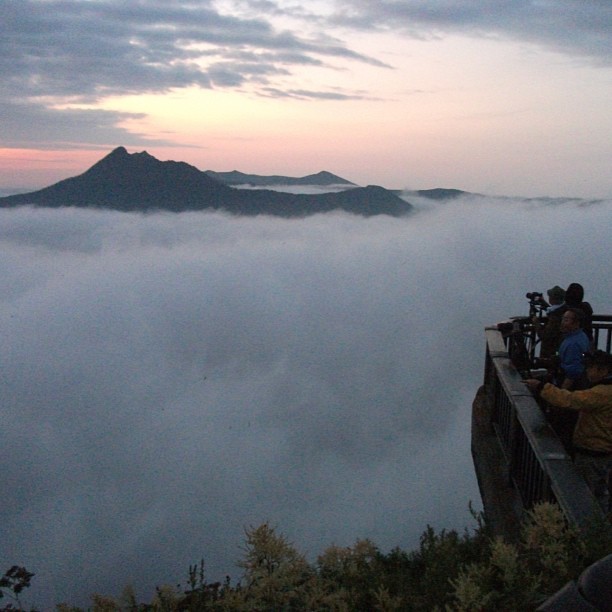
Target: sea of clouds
column 168, row 380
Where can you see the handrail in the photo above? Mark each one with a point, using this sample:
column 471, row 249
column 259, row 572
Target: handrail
column 602, row 332
column 537, row 463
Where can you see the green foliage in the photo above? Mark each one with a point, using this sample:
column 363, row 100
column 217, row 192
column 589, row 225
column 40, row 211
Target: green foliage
column 449, row 571
column 520, row 576
column 276, row 576
column 347, row 577
column 438, row 561
column 14, row 581
column 200, row 595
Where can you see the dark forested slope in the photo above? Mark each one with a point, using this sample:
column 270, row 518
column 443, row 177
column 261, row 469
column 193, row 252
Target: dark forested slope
column 140, row 182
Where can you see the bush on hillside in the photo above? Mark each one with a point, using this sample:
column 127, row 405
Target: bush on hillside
column 449, row 571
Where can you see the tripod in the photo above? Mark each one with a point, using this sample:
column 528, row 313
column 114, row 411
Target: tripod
column 521, row 334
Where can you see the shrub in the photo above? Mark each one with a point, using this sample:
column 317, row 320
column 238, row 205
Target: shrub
column 449, row 571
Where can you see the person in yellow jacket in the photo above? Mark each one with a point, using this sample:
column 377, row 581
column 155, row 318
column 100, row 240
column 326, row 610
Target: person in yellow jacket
column 592, row 438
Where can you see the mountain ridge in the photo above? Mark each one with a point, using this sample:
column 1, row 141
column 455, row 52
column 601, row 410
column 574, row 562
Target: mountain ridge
column 140, row 182
column 236, row 177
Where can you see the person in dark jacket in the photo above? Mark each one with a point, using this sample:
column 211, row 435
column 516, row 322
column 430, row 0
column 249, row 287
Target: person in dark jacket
column 574, row 298
column 550, row 331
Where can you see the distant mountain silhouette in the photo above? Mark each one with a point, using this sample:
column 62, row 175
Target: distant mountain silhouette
column 140, row 182
column 438, row 193
column 240, row 178
column 441, row 193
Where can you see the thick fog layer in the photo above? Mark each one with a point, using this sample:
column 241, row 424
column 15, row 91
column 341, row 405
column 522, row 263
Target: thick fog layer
column 168, row 380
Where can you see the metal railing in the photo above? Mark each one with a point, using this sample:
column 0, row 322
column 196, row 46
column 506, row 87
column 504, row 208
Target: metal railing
column 602, row 332
column 538, row 465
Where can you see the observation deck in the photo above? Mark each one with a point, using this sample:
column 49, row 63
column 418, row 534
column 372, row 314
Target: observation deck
column 518, row 457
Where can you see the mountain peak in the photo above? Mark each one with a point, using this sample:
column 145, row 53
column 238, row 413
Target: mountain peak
column 327, row 178
column 139, row 182
column 120, row 154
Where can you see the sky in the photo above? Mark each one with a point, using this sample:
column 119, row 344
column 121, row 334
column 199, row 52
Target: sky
column 168, row 380
column 498, row 97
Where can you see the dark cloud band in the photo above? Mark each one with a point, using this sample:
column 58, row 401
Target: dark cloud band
column 62, row 53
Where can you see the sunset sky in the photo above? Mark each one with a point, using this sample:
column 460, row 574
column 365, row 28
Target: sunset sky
column 498, row 97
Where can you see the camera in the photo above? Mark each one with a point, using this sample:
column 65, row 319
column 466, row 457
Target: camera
column 536, row 303
column 534, row 296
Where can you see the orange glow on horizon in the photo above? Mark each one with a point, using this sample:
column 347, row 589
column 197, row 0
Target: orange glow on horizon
column 35, row 168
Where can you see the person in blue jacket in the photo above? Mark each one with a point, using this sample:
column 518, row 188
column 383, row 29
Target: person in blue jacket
column 574, row 345
column 570, row 374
